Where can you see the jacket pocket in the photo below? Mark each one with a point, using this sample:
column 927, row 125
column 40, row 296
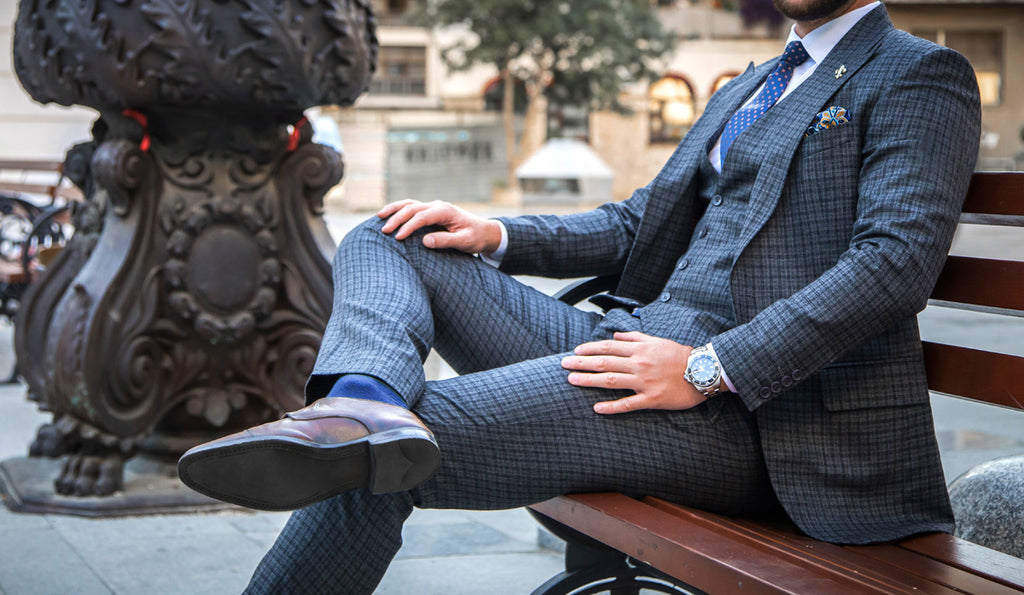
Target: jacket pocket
column 829, row 139
column 847, row 386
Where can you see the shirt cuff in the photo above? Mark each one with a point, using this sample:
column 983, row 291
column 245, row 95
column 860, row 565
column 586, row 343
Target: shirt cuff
column 494, row 258
column 725, row 377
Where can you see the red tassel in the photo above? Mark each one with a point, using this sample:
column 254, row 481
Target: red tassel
column 293, row 138
column 141, row 119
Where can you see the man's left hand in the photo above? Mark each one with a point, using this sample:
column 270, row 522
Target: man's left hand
column 650, row 366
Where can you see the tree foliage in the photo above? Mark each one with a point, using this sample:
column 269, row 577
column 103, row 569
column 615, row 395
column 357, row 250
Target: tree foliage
column 571, row 52
column 577, row 52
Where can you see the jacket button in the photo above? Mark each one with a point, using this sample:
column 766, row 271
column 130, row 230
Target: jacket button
column 798, row 375
column 665, row 296
column 683, row 263
column 716, row 200
column 703, row 232
column 765, row 392
column 776, row 387
column 787, row 381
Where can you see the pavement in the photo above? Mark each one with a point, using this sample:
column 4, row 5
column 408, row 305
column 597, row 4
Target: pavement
column 445, row 552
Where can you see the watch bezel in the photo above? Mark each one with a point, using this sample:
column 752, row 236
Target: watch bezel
column 712, row 387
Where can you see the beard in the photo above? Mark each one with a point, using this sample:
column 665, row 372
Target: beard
column 811, row 10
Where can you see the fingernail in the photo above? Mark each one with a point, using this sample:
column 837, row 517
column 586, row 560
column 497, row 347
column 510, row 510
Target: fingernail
column 600, row 408
column 573, row 378
column 428, row 241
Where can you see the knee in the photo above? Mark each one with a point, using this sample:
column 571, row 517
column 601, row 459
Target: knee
column 361, row 237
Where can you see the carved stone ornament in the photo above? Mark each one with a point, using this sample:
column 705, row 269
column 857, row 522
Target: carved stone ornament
column 282, row 55
column 192, row 299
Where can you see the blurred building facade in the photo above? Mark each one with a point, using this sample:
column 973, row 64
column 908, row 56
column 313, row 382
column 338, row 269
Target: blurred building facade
column 991, row 35
column 414, row 89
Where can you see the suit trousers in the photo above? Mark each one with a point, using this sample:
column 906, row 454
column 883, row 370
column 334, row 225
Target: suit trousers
column 512, row 431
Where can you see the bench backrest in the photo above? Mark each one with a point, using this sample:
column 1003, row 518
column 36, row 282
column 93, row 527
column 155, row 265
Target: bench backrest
column 982, row 285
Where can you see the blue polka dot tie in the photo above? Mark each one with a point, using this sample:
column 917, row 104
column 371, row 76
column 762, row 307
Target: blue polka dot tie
column 777, row 81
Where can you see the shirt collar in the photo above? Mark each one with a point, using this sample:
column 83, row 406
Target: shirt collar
column 820, row 42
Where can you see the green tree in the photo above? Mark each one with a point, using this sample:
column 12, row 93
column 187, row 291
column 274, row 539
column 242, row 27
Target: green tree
column 578, row 52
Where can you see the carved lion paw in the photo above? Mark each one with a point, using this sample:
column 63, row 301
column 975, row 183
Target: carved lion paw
column 51, row 441
column 90, row 475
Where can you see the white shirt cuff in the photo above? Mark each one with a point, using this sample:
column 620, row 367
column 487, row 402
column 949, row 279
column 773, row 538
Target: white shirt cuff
column 725, row 377
column 494, row 258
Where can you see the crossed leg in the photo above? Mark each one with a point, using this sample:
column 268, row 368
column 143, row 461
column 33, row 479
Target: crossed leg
column 512, row 431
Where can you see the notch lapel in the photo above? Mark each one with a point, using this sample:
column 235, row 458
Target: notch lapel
column 788, row 119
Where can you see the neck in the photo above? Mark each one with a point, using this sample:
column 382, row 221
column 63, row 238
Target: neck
column 802, row 28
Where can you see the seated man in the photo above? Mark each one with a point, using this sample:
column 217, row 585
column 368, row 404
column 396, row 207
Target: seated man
column 760, row 352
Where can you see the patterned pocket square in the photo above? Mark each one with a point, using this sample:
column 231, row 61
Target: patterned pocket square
column 831, row 117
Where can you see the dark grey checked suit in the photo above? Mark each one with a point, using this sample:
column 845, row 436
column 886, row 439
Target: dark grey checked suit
column 842, row 239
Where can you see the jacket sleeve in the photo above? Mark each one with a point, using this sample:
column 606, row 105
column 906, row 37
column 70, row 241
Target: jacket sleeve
column 596, row 242
column 920, row 147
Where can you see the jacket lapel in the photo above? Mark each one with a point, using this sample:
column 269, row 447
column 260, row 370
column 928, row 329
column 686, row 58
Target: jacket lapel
column 671, row 211
column 788, row 119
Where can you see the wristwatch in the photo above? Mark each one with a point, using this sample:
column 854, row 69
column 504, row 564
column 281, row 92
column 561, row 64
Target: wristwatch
column 704, row 371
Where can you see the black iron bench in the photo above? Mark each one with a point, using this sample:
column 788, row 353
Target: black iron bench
column 34, row 218
column 622, row 545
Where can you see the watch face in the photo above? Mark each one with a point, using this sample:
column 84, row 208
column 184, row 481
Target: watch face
column 703, row 370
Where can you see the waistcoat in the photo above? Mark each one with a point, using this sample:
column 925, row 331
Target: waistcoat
column 698, row 291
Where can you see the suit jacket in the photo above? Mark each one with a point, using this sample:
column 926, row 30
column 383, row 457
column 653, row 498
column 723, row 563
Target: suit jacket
column 844, row 237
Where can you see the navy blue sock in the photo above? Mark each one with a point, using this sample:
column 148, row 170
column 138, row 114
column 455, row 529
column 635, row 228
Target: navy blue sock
column 361, row 386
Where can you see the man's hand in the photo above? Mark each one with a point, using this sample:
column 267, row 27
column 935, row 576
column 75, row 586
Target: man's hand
column 650, row 366
column 463, row 230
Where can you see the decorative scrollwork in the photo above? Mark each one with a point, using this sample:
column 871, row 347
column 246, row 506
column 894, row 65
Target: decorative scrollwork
column 119, row 167
column 115, row 54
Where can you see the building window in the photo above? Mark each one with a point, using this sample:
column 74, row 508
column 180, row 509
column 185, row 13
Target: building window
column 672, row 109
column 722, row 80
column 393, row 12
column 401, row 70
column 984, row 50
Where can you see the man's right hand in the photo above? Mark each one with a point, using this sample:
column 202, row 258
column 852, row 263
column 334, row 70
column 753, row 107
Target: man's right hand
column 462, row 230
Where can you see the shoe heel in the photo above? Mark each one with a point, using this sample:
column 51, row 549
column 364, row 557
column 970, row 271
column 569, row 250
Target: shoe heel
column 402, row 463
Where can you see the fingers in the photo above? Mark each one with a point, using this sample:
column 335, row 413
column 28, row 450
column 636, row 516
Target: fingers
column 624, row 405
column 604, row 380
column 607, row 347
column 409, row 215
column 392, row 208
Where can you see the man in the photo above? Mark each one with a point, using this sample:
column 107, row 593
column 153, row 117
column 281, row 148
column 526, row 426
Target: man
column 761, row 349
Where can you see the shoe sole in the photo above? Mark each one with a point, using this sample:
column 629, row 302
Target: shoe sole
column 268, row 473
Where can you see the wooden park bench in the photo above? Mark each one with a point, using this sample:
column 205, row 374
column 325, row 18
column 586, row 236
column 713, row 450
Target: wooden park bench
column 619, row 544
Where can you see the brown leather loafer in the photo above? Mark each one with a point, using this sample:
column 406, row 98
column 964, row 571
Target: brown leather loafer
column 333, row 446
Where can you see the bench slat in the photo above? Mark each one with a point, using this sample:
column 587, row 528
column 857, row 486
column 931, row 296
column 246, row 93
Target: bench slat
column 30, row 164
column 27, row 188
column 824, row 556
column 995, row 378
column 695, row 554
column 970, row 281
column 935, row 571
column 996, row 193
column 969, row 556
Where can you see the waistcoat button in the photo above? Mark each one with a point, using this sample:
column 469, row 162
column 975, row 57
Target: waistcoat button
column 703, row 232
column 716, row 200
column 665, row 296
column 684, row 263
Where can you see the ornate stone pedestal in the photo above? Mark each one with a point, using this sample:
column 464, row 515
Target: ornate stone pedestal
column 192, row 299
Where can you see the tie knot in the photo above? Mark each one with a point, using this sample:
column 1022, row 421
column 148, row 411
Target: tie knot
column 795, row 54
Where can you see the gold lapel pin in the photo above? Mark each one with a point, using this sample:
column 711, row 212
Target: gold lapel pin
column 840, row 71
